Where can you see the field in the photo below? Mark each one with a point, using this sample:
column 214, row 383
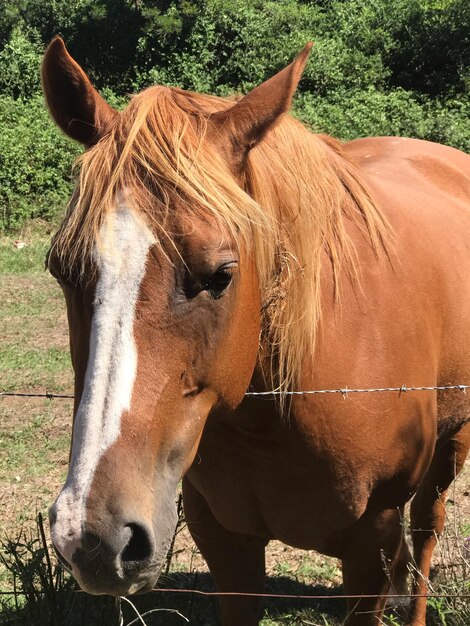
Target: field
column 34, row 439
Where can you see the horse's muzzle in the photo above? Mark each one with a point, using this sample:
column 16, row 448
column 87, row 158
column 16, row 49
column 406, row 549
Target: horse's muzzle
column 116, row 558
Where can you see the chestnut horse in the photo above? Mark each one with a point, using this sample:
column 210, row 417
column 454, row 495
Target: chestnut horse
column 214, row 246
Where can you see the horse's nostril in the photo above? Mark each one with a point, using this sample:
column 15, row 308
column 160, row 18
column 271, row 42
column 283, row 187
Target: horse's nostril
column 139, row 546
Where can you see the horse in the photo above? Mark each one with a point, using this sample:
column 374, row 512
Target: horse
column 214, row 247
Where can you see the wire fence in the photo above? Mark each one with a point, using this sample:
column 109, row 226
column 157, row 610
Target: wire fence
column 344, row 391
column 49, row 396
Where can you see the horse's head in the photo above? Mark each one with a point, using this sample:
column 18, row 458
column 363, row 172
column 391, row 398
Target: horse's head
column 163, row 304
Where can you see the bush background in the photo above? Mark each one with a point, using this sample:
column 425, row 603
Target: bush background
column 378, row 67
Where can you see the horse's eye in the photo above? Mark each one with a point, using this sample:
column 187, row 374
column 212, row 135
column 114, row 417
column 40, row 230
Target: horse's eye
column 219, row 281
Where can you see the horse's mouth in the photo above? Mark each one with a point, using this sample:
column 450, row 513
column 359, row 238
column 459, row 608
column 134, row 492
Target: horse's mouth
column 62, row 561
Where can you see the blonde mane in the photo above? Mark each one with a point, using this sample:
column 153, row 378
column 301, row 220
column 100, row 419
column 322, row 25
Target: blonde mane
column 289, row 211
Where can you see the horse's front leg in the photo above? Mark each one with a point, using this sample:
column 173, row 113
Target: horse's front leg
column 236, row 561
column 373, row 550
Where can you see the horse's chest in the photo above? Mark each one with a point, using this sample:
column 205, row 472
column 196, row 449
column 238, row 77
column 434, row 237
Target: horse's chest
column 281, row 487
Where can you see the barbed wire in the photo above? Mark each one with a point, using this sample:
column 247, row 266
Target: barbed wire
column 49, row 396
column 344, row 391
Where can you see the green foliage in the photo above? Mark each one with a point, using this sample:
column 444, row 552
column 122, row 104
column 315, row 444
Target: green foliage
column 229, row 44
column 27, row 260
column 363, row 113
column 449, row 123
column 20, row 60
column 377, row 67
column 432, row 51
column 35, row 162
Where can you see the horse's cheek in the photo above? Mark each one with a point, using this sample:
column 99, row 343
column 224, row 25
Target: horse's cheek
column 237, row 350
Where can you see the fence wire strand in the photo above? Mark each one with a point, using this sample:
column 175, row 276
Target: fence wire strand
column 281, row 596
column 344, row 391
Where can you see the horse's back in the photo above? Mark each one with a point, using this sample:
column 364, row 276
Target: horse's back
column 423, row 189
column 443, row 166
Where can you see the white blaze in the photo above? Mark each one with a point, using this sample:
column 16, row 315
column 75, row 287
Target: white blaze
column 111, row 369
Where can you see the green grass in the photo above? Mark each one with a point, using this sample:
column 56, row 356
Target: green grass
column 27, row 369
column 26, row 260
column 52, row 598
column 34, row 351
column 21, row 458
column 32, row 303
column 306, row 570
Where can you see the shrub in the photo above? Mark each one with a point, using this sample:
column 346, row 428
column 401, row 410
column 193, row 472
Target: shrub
column 448, row 123
column 35, row 162
column 362, row 113
column 20, row 60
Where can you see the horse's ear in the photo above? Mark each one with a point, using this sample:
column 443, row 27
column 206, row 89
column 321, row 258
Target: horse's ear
column 74, row 103
column 250, row 118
